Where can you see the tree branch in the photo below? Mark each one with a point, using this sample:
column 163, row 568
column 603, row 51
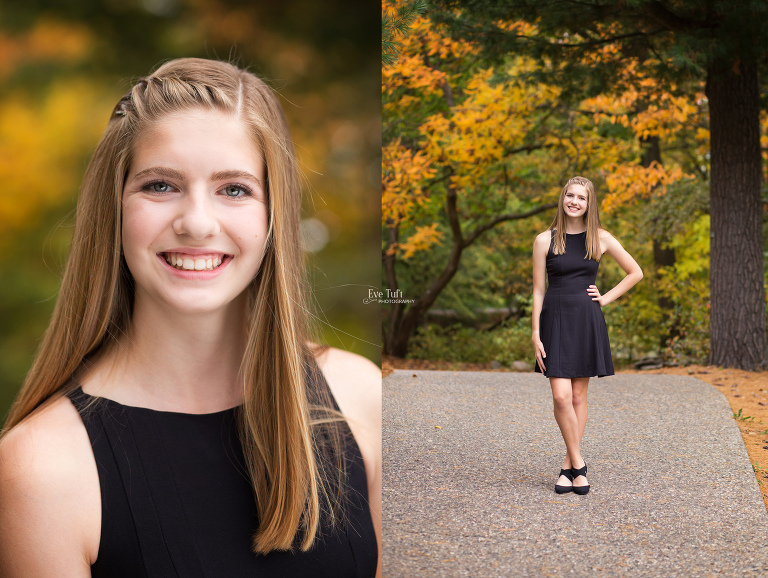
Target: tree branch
column 425, row 301
column 591, row 43
column 508, row 217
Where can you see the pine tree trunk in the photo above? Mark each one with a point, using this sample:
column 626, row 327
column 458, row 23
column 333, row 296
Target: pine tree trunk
column 737, row 313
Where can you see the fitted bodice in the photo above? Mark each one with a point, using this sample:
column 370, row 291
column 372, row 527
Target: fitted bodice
column 177, row 499
column 570, row 274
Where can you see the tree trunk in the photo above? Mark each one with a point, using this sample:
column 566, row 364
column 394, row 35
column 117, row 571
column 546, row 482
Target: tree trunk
column 403, row 322
column 395, row 309
column 737, row 313
column 397, row 340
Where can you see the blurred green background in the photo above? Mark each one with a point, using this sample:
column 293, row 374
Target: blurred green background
column 64, row 65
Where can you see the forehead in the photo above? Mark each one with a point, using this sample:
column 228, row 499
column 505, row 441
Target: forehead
column 207, row 135
column 577, row 189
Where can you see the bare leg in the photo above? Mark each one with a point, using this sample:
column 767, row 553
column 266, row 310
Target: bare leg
column 562, row 396
column 579, row 392
column 579, row 386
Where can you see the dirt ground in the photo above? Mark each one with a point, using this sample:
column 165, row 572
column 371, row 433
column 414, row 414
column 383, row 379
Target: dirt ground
column 744, row 390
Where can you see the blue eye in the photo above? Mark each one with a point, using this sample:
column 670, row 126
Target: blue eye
column 157, row 187
column 236, row 191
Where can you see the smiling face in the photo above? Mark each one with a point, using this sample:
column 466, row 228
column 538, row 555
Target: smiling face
column 195, row 219
column 575, row 201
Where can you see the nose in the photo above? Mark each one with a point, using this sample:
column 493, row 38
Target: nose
column 197, row 217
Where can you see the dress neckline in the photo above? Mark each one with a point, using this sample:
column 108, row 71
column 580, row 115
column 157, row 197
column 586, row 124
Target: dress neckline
column 571, row 234
column 79, row 391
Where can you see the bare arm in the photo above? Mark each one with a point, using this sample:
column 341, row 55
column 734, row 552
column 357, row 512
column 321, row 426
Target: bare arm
column 540, row 250
column 356, row 384
column 47, row 519
column 633, row 272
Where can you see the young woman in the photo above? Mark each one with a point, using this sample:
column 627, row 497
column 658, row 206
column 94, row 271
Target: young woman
column 177, row 421
column 570, row 338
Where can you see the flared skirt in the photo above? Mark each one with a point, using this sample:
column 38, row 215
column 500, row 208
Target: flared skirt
column 575, row 338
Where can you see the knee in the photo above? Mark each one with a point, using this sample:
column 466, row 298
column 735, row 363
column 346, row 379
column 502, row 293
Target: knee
column 579, row 400
column 562, row 400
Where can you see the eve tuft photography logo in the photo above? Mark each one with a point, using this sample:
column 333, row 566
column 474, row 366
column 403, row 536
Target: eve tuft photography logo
column 386, row 296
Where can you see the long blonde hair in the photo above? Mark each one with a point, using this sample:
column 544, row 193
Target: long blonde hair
column 292, row 444
column 591, row 218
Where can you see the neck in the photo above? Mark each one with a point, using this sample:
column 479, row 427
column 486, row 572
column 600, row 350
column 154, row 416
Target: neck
column 574, row 225
column 176, row 361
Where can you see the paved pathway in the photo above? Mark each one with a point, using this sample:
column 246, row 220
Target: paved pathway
column 673, row 492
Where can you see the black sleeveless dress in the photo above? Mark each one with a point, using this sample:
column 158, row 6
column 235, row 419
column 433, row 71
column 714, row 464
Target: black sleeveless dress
column 176, row 500
column 571, row 326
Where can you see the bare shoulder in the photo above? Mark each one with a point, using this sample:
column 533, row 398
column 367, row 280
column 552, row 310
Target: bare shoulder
column 543, row 238
column 605, row 234
column 608, row 242
column 48, row 478
column 356, row 384
column 541, row 244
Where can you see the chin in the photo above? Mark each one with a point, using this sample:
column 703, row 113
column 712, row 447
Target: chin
column 201, row 303
column 200, row 307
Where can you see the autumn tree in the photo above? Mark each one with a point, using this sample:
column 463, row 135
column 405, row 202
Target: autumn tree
column 723, row 43
column 469, row 148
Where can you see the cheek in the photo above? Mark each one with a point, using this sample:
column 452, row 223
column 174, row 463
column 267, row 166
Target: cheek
column 140, row 226
column 248, row 228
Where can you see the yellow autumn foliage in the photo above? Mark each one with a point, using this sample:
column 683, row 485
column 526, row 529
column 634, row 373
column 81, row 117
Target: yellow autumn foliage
column 404, row 170
column 494, row 119
column 424, row 237
column 43, row 145
column 480, row 143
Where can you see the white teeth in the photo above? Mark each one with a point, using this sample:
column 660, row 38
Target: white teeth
column 187, row 263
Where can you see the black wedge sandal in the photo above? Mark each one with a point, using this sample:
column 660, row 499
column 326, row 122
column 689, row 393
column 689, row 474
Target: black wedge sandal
column 564, row 489
column 582, row 471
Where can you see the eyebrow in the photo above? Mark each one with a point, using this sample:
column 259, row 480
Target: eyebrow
column 217, row 176
column 234, row 174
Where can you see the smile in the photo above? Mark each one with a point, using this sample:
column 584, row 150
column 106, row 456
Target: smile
column 186, row 262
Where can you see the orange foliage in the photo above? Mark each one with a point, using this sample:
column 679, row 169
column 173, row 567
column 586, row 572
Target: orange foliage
column 630, row 181
column 413, row 70
column 47, row 40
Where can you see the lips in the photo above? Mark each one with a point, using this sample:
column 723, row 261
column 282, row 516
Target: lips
column 193, row 262
column 184, row 261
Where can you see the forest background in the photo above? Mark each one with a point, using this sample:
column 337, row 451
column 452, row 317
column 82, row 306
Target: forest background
column 64, row 65
column 491, row 106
